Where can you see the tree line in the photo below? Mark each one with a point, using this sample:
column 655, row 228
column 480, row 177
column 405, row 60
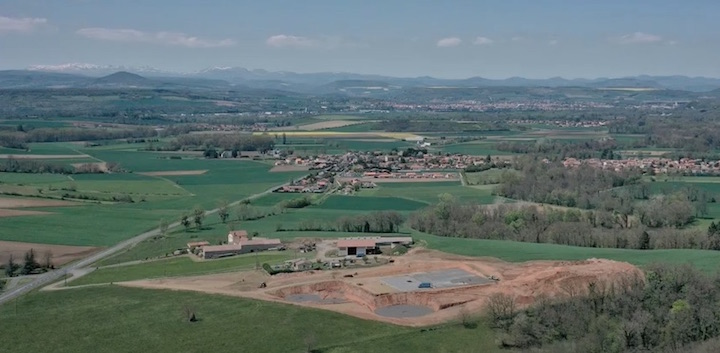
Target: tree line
column 375, row 222
column 560, row 150
column 551, row 182
column 554, row 225
column 30, row 264
column 19, row 165
column 20, row 139
column 230, row 142
column 673, row 310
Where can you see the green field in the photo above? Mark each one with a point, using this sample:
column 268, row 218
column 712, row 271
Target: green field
column 472, row 148
column 370, row 144
column 370, row 203
column 181, row 266
column 491, row 176
column 428, row 192
column 706, row 260
column 154, row 198
column 117, row 319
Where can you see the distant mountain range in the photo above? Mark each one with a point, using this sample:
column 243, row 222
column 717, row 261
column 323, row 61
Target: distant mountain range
column 98, row 76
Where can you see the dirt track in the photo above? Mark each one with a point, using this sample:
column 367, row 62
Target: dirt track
column 61, row 254
column 365, row 292
column 7, row 202
column 17, row 213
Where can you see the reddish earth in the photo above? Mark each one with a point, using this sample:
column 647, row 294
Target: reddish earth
column 17, row 213
column 365, row 291
column 61, row 254
column 8, row 202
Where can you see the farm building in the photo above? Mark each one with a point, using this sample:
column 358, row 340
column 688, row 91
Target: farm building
column 299, row 264
column 240, row 243
column 218, row 251
column 369, row 245
column 355, row 247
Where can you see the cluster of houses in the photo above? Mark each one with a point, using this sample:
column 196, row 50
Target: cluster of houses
column 238, row 242
column 652, row 165
column 560, row 123
column 308, row 184
column 364, row 177
column 393, row 161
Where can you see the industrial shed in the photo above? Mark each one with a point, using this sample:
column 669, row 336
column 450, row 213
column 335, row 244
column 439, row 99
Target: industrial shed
column 356, row 247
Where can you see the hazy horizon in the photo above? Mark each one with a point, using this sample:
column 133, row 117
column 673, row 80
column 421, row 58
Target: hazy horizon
column 144, row 69
column 453, row 40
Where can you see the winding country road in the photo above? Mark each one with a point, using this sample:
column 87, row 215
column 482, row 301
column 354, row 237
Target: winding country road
column 52, row 276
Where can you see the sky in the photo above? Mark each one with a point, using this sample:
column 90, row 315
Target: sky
column 408, row 38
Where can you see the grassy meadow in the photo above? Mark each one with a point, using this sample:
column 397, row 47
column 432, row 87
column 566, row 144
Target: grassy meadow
column 118, row 319
column 182, row 266
column 100, row 222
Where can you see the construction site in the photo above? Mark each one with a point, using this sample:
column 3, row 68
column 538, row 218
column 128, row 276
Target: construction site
column 420, row 288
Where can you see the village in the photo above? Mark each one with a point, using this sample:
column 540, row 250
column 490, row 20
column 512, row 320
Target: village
column 651, row 165
column 364, row 169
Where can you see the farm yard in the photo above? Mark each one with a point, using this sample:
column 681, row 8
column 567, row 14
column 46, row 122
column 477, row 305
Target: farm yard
column 372, row 289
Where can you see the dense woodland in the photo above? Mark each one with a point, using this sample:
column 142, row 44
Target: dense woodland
column 375, row 222
column 537, row 224
column 231, row 142
column 674, row 310
column 577, row 206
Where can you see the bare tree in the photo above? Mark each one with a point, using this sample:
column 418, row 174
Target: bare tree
column 310, row 341
column 189, row 313
column 223, row 212
column 185, row 221
column 466, row 318
column 501, row 309
column 47, row 259
column 198, row 217
column 164, row 226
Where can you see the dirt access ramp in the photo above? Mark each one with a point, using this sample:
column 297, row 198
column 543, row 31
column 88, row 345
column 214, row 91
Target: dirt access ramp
column 365, row 293
column 61, row 254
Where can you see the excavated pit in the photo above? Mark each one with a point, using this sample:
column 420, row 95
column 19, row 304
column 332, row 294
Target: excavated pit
column 403, row 311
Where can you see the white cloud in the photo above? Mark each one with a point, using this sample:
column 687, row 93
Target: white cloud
column 322, row 42
column 639, row 38
column 554, row 42
column 483, row 41
column 517, row 38
column 25, row 24
column 449, row 42
column 284, row 40
column 167, row 38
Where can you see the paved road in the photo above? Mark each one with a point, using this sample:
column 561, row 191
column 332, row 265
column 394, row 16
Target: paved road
column 48, row 277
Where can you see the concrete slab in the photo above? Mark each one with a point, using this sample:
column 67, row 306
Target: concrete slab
column 439, row 279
